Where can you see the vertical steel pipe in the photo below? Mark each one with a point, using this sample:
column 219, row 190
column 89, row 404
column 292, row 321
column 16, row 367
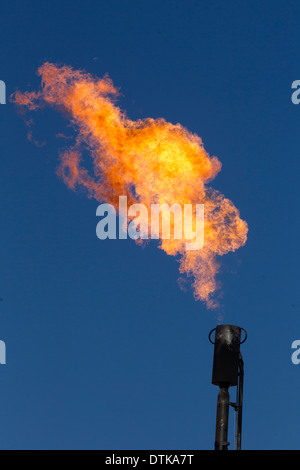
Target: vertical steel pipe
column 228, row 371
column 221, row 440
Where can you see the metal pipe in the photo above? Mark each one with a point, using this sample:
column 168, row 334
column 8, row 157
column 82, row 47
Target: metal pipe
column 228, row 371
column 239, row 413
column 221, row 440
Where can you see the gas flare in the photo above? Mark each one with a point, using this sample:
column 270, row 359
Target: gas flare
column 150, row 161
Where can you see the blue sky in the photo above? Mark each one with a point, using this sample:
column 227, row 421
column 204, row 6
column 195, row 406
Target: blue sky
column 104, row 350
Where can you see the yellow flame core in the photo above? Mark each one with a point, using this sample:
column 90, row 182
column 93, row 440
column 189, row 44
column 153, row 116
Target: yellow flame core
column 150, row 161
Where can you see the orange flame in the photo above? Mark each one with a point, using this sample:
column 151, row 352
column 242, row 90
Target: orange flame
column 150, row 161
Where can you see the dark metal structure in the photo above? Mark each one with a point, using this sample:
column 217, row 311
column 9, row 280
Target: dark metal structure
column 228, row 371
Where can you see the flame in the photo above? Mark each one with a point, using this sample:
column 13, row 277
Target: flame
column 150, row 161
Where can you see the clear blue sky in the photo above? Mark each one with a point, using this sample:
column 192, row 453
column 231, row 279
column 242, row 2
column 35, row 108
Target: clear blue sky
column 104, row 350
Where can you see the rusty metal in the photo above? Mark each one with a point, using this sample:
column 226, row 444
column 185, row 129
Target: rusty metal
column 228, row 371
column 239, row 411
column 221, row 440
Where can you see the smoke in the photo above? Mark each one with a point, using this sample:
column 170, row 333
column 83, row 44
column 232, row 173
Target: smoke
column 151, row 161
